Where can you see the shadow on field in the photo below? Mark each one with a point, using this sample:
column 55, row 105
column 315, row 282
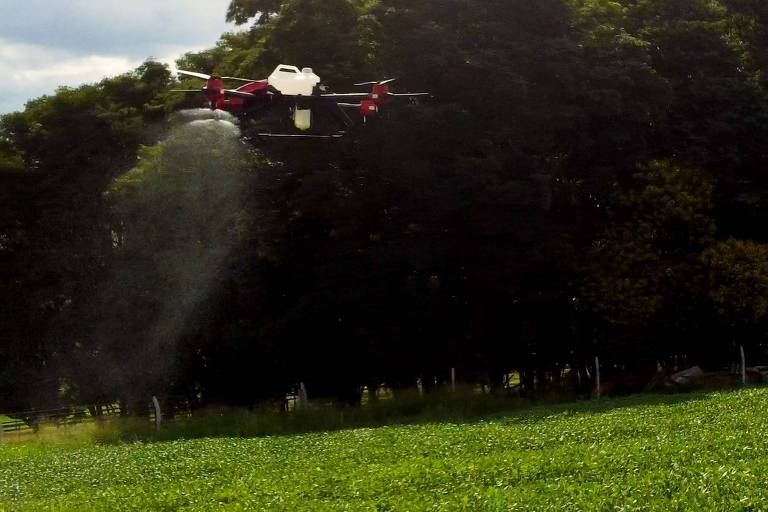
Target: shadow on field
column 448, row 408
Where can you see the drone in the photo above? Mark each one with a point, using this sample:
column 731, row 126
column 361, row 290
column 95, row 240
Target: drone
column 300, row 94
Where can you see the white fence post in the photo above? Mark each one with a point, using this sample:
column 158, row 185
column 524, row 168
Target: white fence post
column 158, row 413
column 453, row 380
column 743, row 366
column 302, row 399
column 597, row 377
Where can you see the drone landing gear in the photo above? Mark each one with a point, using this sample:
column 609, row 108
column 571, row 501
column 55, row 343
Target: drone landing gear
column 300, row 136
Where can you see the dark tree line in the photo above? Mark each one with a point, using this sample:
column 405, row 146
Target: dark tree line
column 589, row 179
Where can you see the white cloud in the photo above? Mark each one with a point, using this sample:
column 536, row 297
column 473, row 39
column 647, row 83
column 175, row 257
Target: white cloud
column 52, row 43
column 109, row 26
column 74, row 70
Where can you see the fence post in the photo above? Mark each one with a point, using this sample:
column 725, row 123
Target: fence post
column 743, row 366
column 158, row 413
column 597, row 377
column 453, row 380
column 302, row 399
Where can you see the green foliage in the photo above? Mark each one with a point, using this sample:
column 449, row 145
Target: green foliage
column 240, row 11
column 738, row 279
column 177, row 216
column 407, row 407
column 749, row 20
column 649, row 261
column 499, row 226
column 10, row 160
column 678, row 452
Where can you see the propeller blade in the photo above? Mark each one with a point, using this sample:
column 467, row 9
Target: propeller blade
column 185, row 90
column 301, row 136
column 208, row 77
column 240, row 79
column 238, row 94
column 193, row 73
column 409, row 94
column 346, row 95
column 349, row 105
column 380, row 82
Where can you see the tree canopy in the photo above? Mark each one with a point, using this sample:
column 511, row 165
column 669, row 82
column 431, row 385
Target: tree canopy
column 588, row 179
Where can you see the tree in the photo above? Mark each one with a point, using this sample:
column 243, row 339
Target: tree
column 63, row 151
column 174, row 224
column 644, row 275
column 560, row 190
column 240, row 11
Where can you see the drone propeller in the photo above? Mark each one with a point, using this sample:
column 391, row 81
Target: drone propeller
column 301, row 136
column 409, row 94
column 238, row 94
column 381, row 82
column 185, row 90
column 208, row 77
column 194, row 74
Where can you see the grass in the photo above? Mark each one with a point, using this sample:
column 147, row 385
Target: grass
column 408, row 408
column 672, row 452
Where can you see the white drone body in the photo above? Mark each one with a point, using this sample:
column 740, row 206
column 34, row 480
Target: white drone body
column 292, row 82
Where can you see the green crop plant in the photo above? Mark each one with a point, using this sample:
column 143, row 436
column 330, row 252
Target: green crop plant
column 672, row 452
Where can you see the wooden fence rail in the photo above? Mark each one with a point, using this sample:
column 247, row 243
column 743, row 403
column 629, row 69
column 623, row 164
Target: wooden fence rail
column 27, row 422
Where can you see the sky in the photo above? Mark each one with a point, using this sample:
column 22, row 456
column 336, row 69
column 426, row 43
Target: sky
column 45, row 44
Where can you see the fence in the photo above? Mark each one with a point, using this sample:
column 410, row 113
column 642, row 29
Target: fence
column 23, row 422
column 28, row 422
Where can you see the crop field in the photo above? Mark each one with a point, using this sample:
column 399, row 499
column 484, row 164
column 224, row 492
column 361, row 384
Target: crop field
column 675, row 452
